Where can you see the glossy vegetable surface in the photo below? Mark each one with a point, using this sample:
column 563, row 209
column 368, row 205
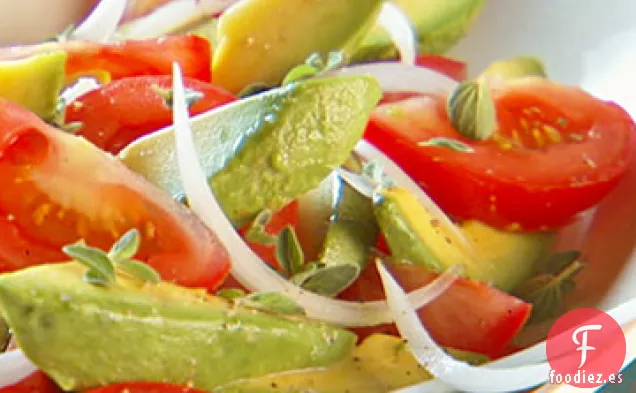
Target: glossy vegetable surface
column 122, row 111
column 471, row 316
column 556, row 152
column 52, row 201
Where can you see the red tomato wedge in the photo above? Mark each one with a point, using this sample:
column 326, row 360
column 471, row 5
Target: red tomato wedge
column 107, row 119
column 59, row 188
column 37, row 382
column 557, row 151
column 144, row 387
column 128, row 58
column 470, row 316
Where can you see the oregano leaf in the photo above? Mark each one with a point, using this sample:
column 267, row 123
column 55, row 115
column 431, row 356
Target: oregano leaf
column 94, row 277
column 98, row 263
column 139, row 271
column 271, row 301
column 289, row 253
column 126, row 247
column 256, row 232
column 448, row 143
column 546, row 289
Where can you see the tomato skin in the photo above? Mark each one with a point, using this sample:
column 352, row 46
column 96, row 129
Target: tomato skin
column 470, row 315
column 144, row 387
column 60, row 188
column 128, row 58
column 37, row 382
column 107, row 119
column 523, row 185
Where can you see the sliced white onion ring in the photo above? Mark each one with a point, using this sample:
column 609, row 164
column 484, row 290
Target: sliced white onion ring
column 398, row 26
column 398, row 77
column 81, row 87
column 102, row 22
column 452, row 372
column 14, row 367
column 247, row 267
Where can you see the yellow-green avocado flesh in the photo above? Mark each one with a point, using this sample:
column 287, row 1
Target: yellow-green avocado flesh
column 83, row 335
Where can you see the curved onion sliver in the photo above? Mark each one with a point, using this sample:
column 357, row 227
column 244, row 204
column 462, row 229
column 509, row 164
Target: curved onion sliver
column 247, row 267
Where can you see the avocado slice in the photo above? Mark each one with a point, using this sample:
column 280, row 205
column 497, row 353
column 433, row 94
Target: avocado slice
column 264, row 151
column 414, row 235
column 84, row 335
column 34, row 82
column 438, row 25
column 259, row 41
column 348, row 243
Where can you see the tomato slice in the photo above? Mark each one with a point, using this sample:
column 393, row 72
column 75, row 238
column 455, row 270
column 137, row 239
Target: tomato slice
column 107, row 119
column 144, row 387
column 60, row 188
column 557, row 151
column 470, row 315
column 37, row 382
column 128, row 58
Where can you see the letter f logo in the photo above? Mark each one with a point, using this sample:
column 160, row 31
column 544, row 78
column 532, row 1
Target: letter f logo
column 583, row 344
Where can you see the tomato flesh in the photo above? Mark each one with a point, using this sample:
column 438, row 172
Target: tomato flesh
column 59, row 188
column 106, row 117
column 127, row 58
column 557, row 151
column 470, row 315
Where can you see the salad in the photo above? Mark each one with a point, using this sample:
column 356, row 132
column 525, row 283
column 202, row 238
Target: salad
column 259, row 196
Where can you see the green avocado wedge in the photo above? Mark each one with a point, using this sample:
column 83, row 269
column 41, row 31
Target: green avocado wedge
column 265, row 150
column 34, row 82
column 438, row 25
column 84, row 335
column 259, row 41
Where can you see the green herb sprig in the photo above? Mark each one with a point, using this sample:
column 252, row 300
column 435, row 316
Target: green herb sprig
column 315, row 65
column 548, row 287
column 102, row 266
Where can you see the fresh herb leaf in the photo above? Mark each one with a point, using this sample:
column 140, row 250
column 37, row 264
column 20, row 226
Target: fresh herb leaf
column 191, row 96
column 271, row 301
column 289, row 254
column 252, row 89
column 100, row 267
column 230, row 293
column 300, row 72
column 315, row 65
column 256, row 232
column 95, row 278
column 139, row 271
column 126, row 247
column 548, row 287
column 471, row 109
column 448, row 143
